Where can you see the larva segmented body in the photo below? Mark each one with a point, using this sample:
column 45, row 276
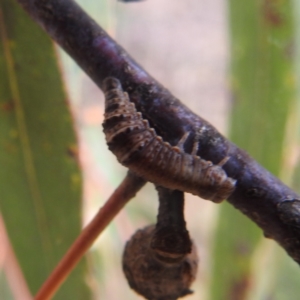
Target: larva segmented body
column 138, row 147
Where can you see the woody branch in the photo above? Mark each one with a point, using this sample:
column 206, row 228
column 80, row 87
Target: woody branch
column 258, row 194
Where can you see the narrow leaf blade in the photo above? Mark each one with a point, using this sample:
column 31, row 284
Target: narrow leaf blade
column 40, row 180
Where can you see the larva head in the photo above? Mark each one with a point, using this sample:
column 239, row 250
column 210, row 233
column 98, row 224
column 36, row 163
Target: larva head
column 215, row 175
column 111, row 83
column 214, row 184
column 222, row 185
column 114, row 95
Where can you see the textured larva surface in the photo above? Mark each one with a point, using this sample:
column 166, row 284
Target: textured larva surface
column 138, row 147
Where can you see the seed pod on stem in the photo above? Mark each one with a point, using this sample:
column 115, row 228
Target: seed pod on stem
column 160, row 261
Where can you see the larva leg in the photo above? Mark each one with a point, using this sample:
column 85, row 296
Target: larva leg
column 182, row 141
column 195, row 145
column 223, row 161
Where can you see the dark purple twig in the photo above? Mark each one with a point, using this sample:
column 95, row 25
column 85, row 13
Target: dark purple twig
column 259, row 195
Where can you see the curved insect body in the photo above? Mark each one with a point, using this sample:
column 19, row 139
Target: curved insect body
column 138, row 147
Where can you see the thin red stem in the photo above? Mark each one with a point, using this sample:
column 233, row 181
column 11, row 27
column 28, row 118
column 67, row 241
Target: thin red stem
column 126, row 190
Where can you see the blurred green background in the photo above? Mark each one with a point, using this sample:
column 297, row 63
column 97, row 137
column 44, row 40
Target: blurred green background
column 232, row 62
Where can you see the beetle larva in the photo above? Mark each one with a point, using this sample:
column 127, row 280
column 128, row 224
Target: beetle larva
column 138, row 147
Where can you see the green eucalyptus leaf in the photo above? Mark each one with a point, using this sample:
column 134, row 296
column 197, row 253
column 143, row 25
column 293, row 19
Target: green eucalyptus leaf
column 263, row 90
column 41, row 188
